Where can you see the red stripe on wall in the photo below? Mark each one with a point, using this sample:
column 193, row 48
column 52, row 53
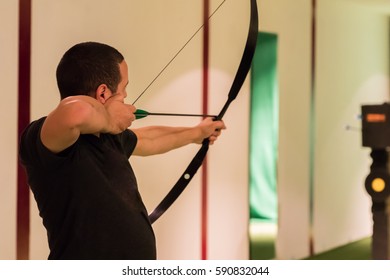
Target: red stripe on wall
column 206, row 33
column 23, row 194
column 312, row 122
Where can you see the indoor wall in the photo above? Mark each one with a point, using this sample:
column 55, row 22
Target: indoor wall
column 321, row 165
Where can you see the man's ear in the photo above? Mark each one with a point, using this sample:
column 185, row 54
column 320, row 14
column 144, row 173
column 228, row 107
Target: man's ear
column 103, row 93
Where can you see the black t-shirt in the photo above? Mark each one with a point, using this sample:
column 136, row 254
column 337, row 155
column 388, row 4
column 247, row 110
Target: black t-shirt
column 88, row 197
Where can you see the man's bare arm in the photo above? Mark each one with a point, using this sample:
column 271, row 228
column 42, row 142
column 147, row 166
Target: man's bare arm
column 160, row 139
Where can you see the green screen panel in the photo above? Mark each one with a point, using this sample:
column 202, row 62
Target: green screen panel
column 264, row 130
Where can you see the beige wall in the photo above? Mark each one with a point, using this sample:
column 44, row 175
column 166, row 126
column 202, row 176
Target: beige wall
column 148, row 40
column 8, row 126
column 227, row 179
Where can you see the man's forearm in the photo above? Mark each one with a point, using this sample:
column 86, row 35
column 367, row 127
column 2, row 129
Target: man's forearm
column 161, row 139
column 158, row 131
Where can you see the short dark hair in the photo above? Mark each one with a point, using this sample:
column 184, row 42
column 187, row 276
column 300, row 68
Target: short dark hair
column 87, row 65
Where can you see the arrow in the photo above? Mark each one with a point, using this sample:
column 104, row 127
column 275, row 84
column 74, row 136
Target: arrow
column 139, row 114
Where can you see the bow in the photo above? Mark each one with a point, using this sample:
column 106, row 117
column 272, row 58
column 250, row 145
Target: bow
column 238, row 81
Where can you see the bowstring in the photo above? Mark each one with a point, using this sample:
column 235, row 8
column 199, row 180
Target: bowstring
column 177, row 53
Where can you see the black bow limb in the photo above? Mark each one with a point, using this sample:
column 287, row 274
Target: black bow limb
column 239, row 79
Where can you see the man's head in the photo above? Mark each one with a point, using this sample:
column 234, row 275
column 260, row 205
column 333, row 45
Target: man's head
column 86, row 66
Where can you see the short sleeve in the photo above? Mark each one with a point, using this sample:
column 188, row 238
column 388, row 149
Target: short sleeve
column 33, row 152
column 128, row 141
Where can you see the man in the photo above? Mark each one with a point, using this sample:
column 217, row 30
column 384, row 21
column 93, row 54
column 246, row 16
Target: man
column 77, row 160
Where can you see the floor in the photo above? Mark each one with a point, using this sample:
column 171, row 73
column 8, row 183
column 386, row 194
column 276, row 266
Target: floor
column 262, row 246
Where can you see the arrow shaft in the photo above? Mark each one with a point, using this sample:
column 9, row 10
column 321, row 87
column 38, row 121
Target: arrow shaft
column 180, row 115
column 142, row 114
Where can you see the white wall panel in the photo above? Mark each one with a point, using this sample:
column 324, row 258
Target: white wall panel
column 228, row 161
column 353, row 69
column 291, row 21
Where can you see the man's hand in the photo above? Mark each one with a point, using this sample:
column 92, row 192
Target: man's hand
column 119, row 115
column 210, row 129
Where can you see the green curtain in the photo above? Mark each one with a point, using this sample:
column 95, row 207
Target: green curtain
column 264, row 130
